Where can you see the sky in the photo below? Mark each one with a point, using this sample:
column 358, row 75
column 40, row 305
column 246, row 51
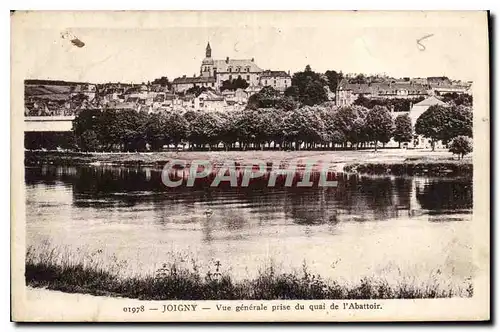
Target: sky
column 118, row 53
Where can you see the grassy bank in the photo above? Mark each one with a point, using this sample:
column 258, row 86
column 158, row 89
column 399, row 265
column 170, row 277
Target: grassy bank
column 390, row 161
column 413, row 168
column 172, row 282
column 158, row 159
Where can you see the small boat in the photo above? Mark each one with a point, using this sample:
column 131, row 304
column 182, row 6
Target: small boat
column 208, row 212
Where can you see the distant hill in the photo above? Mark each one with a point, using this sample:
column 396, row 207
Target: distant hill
column 38, row 90
column 51, row 82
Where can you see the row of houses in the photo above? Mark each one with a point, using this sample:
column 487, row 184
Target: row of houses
column 147, row 101
column 347, row 92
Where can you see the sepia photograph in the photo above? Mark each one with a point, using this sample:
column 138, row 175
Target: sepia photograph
column 250, row 166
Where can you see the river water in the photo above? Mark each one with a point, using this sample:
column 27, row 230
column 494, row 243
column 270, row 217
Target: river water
column 399, row 227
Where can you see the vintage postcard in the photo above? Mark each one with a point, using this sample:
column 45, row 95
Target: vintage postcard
column 223, row 166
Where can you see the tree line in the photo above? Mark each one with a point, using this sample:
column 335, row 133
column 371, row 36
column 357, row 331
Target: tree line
column 323, row 126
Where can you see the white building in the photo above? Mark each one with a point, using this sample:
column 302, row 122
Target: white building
column 209, row 101
column 181, row 84
column 279, row 80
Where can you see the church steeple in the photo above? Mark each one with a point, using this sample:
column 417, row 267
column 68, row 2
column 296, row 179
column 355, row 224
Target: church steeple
column 208, row 51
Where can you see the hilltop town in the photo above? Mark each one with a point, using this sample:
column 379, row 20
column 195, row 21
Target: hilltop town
column 226, row 85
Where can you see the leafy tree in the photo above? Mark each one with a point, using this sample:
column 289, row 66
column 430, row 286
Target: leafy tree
column 197, row 90
column 337, row 137
column 163, row 81
column 276, row 123
column 396, row 104
column 461, row 145
column 328, row 114
column 88, row 141
column 235, row 84
column 432, row 123
column 365, row 102
column 265, row 98
column 154, row 131
column 333, row 79
column 109, row 130
column 404, row 105
column 176, row 128
column 350, row 121
column 206, row 128
column 444, row 123
column 268, row 97
column 457, row 99
column 190, row 116
column 403, row 131
column 132, row 133
column 309, row 85
column 314, row 93
column 304, row 125
column 379, row 125
column 228, row 132
column 86, row 119
column 457, row 123
column 293, row 92
column 252, row 128
column 359, row 79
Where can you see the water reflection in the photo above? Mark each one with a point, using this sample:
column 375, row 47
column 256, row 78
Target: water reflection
column 355, row 199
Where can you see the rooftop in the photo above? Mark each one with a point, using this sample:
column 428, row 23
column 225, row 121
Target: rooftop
column 245, row 65
column 386, row 87
column 193, row 80
column 430, row 102
column 274, row 73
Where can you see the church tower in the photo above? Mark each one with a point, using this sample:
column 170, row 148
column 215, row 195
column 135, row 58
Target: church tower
column 207, row 65
column 208, row 51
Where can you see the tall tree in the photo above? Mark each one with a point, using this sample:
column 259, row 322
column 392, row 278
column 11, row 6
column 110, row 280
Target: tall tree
column 206, row 128
column 132, row 133
column 314, row 93
column 176, row 128
column 458, row 123
column 265, row 98
column 379, row 125
column 433, row 124
column 333, row 79
column 310, row 85
column 154, row 131
column 85, row 128
column 403, row 131
column 350, row 121
column 304, row 125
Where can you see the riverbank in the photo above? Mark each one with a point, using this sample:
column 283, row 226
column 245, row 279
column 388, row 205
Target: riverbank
column 175, row 282
column 388, row 161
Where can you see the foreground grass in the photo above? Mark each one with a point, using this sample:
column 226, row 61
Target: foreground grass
column 172, row 282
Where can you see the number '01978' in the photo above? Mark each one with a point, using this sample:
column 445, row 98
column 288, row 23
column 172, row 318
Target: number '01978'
column 134, row 310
